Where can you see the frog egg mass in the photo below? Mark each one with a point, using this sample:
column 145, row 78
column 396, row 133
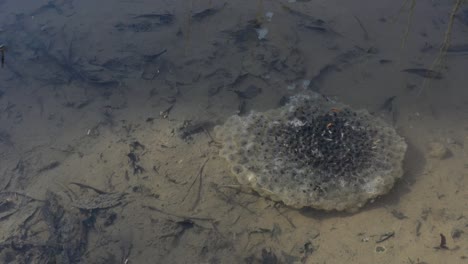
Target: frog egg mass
column 313, row 152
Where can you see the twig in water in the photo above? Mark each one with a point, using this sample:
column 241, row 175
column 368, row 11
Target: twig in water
column 408, row 25
column 2, row 51
column 82, row 185
column 446, row 44
column 443, row 243
column 366, row 34
column 153, row 208
column 199, row 178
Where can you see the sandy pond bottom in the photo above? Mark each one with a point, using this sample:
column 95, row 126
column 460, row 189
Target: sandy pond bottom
column 106, row 152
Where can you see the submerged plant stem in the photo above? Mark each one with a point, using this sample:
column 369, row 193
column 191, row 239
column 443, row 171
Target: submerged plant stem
column 188, row 28
column 260, row 11
column 438, row 62
column 408, row 24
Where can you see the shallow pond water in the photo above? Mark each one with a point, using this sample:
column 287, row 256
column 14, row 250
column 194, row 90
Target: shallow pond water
column 107, row 111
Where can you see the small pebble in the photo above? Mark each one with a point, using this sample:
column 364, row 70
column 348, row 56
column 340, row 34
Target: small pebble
column 291, row 87
column 379, row 249
column 438, row 150
column 457, row 233
column 261, row 33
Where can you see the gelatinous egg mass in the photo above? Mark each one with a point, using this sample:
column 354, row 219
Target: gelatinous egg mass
column 313, row 152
